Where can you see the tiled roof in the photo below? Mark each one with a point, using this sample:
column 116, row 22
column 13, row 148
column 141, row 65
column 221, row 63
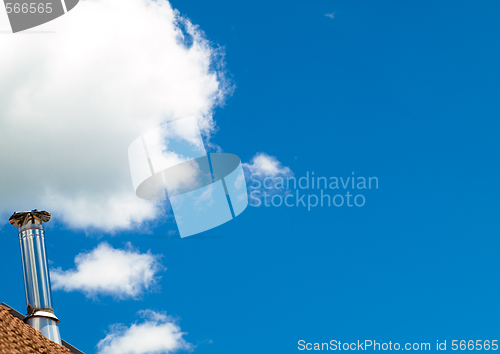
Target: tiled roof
column 16, row 337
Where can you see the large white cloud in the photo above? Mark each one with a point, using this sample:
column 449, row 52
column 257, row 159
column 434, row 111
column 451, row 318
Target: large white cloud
column 72, row 101
column 157, row 334
column 108, row 271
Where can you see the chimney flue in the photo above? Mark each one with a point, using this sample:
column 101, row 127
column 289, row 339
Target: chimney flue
column 36, row 272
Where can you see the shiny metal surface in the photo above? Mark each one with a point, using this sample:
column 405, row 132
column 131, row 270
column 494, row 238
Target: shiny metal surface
column 44, row 314
column 36, row 272
column 48, row 327
column 35, row 267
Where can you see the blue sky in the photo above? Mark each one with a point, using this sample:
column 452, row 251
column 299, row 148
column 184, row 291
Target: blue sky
column 404, row 91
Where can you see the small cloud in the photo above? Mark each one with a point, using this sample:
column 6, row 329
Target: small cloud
column 157, row 334
column 266, row 165
column 107, row 271
column 330, row 15
column 266, row 175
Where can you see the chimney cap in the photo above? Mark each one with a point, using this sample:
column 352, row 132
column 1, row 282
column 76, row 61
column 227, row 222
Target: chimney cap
column 20, row 218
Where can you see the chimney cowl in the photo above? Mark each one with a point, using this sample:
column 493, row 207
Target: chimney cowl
column 23, row 218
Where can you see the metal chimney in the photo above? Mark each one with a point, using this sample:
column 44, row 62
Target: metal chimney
column 36, row 272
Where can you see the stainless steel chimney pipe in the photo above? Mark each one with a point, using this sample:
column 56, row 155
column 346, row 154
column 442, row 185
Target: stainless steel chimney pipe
column 36, row 272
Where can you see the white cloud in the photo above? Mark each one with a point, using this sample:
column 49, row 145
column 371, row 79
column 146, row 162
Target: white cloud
column 157, row 334
column 71, row 102
column 108, row 271
column 108, row 210
column 266, row 175
column 265, row 165
column 332, row 15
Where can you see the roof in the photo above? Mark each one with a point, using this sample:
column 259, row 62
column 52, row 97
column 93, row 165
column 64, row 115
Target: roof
column 16, row 337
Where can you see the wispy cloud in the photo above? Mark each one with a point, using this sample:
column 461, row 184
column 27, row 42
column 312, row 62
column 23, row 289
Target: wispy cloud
column 121, row 273
column 264, row 174
column 266, row 165
column 332, row 15
column 156, row 334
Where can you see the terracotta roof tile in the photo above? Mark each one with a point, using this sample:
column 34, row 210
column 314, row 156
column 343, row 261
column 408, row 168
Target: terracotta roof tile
column 16, row 337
